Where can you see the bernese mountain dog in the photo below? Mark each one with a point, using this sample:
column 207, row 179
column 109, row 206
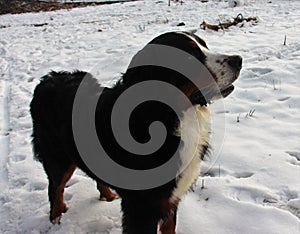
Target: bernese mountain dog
column 147, row 210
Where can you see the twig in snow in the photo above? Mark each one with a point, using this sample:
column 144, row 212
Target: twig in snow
column 237, row 20
column 250, row 113
column 284, row 42
column 202, row 184
column 238, row 118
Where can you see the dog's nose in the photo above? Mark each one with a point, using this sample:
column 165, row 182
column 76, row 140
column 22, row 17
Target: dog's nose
column 235, row 61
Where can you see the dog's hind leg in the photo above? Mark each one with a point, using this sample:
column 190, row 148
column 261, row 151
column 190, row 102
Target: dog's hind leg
column 105, row 193
column 58, row 177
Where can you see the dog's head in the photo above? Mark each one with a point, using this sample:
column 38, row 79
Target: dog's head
column 212, row 75
column 224, row 68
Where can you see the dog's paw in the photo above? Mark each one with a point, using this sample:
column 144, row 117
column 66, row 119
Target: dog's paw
column 110, row 198
column 56, row 220
column 65, row 209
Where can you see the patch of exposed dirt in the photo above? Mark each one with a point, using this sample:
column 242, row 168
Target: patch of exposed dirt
column 23, row 6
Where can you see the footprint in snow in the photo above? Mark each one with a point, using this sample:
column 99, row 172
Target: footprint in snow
column 252, row 195
column 258, row 71
column 4, row 199
column 242, row 175
column 111, row 51
column 18, row 158
column 71, row 182
column 2, row 52
column 290, row 201
column 287, row 200
column 38, row 186
column 21, row 182
column 283, row 99
column 293, row 206
column 68, row 196
column 294, row 157
column 220, row 172
column 215, row 172
column 294, row 154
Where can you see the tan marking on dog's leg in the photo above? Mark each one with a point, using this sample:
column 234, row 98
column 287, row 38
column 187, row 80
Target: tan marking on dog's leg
column 59, row 206
column 105, row 193
column 168, row 225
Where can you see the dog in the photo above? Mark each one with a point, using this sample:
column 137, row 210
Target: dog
column 147, row 210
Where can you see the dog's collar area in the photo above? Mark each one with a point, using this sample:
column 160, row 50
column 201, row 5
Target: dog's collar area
column 198, row 98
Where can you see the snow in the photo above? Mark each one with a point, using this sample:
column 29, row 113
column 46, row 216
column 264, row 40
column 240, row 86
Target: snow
column 251, row 180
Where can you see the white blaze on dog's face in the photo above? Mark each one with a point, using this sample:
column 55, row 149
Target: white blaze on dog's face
column 224, row 68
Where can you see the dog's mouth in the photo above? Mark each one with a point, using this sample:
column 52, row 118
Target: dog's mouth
column 213, row 92
column 204, row 96
column 225, row 92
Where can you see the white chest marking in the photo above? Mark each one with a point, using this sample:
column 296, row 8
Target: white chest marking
column 194, row 134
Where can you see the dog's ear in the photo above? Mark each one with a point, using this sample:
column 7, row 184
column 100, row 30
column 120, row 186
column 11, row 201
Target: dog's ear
column 146, row 65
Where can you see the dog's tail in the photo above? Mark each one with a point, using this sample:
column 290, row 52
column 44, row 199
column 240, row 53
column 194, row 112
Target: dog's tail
column 51, row 107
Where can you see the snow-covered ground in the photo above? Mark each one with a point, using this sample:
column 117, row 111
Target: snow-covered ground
column 251, row 182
